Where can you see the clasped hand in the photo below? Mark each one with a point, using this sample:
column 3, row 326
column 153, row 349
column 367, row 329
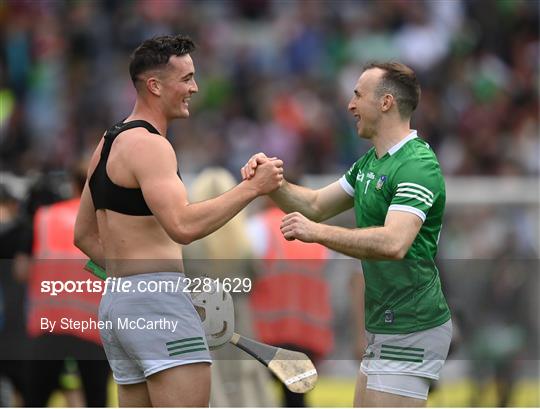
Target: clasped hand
column 293, row 225
column 269, row 175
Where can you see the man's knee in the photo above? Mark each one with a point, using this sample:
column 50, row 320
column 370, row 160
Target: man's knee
column 184, row 385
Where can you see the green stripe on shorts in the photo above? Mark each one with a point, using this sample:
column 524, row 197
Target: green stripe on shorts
column 186, row 351
column 182, row 341
column 404, row 354
column 184, row 346
column 403, row 348
column 400, row 359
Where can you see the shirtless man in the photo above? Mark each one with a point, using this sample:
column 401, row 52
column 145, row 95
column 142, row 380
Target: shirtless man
column 135, row 214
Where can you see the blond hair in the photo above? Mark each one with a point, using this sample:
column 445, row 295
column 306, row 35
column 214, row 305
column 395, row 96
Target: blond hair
column 230, row 241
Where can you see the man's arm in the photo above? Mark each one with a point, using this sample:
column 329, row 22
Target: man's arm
column 317, row 205
column 86, row 234
column 389, row 242
column 86, row 229
column 155, row 170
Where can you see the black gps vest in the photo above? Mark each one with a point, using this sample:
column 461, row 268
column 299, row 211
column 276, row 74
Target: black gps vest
column 106, row 194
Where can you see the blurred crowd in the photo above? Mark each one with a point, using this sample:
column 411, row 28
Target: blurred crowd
column 274, row 76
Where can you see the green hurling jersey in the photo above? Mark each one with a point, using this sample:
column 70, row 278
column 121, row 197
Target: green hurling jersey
column 401, row 296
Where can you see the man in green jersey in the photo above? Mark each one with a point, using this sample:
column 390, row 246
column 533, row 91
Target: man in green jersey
column 398, row 195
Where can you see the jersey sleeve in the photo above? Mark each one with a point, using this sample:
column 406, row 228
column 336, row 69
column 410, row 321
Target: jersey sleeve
column 417, row 185
column 348, row 180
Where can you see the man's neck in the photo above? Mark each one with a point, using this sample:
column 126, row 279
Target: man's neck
column 150, row 114
column 389, row 136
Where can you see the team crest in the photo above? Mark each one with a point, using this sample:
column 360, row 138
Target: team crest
column 380, row 183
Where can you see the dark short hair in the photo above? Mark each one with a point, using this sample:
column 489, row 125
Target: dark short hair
column 155, row 53
column 400, row 81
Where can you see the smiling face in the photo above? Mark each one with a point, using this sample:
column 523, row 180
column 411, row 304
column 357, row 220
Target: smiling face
column 178, row 86
column 365, row 106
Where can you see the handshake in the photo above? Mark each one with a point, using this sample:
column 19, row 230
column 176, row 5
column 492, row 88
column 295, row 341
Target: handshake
column 263, row 173
column 267, row 175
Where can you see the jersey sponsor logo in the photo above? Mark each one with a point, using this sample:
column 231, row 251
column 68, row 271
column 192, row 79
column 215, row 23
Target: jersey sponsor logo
column 415, row 191
column 380, row 182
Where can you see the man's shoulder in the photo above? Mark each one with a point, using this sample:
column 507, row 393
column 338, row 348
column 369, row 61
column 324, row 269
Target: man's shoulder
column 417, row 154
column 417, row 149
column 417, row 162
column 141, row 151
column 139, row 143
column 143, row 135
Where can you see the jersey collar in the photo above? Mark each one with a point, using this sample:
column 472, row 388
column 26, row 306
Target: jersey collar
column 400, row 144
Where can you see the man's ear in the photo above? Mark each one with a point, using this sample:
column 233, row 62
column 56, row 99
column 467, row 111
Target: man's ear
column 153, row 85
column 387, row 102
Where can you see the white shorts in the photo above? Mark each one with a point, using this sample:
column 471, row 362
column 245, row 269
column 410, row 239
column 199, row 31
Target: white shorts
column 416, row 355
column 404, row 385
column 148, row 332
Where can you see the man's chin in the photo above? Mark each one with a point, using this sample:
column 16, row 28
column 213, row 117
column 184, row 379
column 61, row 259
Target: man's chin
column 362, row 135
column 183, row 114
